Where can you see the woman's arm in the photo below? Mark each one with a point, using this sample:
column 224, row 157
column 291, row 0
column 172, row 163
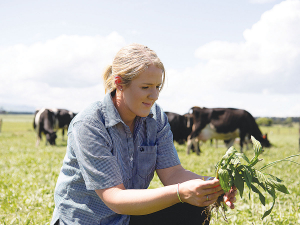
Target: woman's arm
column 144, row 201
column 178, row 174
column 138, row 201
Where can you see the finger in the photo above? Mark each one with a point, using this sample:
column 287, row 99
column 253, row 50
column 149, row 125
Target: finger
column 208, row 200
column 230, row 204
column 215, row 190
column 212, row 197
column 231, row 193
column 228, row 200
column 211, row 184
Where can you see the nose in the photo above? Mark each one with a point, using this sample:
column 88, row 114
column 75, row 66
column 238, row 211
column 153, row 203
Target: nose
column 154, row 94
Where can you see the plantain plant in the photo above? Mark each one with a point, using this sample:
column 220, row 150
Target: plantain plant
column 236, row 169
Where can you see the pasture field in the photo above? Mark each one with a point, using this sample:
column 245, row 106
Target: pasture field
column 28, row 175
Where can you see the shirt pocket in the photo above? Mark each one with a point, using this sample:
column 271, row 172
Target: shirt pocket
column 146, row 160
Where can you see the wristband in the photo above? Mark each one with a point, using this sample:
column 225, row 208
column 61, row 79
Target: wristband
column 178, row 193
column 210, row 178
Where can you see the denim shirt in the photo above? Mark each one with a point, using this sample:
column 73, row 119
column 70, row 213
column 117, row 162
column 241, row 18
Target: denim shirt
column 102, row 153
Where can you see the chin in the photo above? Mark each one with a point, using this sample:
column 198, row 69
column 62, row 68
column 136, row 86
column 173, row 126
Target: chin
column 143, row 114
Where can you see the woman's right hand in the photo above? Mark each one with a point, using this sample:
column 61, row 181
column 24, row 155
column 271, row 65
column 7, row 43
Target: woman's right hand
column 200, row 193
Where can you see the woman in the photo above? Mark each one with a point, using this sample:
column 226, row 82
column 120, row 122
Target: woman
column 114, row 147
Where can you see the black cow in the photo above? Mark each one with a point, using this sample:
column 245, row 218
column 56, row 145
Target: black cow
column 181, row 126
column 224, row 124
column 48, row 121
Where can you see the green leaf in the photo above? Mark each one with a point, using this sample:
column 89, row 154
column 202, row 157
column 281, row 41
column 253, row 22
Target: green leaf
column 229, row 155
column 281, row 160
column 261, row 197
column 224, row 179
column 235, row 161
column 239, row 183
column 256, row 146
column 243, row 156
column 275, row 178
column 247, row 176
column 277, row 185
column 261, row 177
column 272, row 193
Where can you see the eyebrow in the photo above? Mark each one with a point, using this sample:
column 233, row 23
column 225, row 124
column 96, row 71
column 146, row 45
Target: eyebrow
column 151, row 83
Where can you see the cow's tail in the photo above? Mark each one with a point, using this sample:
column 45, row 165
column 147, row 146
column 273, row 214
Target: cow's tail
column 34, row 126
column 34, row 122
column 37, row 128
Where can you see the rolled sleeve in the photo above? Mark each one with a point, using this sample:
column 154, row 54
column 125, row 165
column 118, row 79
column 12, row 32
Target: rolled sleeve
column 92, row 147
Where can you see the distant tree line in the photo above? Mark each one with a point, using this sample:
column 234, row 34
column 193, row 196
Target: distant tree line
column 269, row 121
column 2, row 111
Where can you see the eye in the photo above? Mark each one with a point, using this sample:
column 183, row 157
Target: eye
column 146, row 87
column 158, row 87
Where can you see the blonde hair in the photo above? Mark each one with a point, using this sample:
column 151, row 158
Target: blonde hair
column 128, row 63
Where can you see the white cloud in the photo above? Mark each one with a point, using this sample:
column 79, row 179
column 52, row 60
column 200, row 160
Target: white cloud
column 66, row 61
column 268, row 59
column 64, row 72
column 252, row 74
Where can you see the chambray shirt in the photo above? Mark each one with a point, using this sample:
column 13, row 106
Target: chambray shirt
column 102, row 153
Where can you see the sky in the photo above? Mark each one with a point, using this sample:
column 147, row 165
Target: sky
column 237, row 53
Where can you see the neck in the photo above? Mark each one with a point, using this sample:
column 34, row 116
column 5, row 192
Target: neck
column 127, row 116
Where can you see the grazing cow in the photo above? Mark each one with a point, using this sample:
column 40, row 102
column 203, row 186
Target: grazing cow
column 181, row 126
column 48, row 121
column 225, row 124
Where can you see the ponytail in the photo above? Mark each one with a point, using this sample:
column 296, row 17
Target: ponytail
column 108, row 79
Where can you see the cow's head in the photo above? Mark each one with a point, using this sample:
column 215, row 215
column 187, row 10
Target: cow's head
column 51, row 138
column 265, row 142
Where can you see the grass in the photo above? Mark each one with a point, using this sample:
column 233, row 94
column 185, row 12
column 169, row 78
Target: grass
column 28, row 175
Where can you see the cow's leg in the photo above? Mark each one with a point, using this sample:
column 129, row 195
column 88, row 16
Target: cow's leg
column 37, row 141
column 47, row 138
column 229, row 143
column 247, row 141
column 38, row 135
column 242, row 140
column 193, row 144
column 189, row 146
column 196, row 146
column 63, row 134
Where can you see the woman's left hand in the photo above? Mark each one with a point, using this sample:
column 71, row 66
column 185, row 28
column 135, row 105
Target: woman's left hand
column 229, row 197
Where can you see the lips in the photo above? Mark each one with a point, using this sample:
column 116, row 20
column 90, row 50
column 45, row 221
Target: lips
column 147, row 104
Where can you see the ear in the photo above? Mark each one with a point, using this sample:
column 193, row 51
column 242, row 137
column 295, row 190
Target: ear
column 118, row 82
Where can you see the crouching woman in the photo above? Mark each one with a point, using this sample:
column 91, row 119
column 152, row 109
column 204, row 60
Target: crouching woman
column 114, row 148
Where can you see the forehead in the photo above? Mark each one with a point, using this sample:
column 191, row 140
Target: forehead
column 152, row 75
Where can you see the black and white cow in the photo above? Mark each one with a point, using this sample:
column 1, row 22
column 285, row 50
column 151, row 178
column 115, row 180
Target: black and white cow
column 181, row 126
column 48, row 121
column 225, row 124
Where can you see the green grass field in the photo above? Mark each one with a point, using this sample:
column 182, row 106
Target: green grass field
column 28, row 175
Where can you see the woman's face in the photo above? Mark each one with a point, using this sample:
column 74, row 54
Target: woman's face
column 141, row 93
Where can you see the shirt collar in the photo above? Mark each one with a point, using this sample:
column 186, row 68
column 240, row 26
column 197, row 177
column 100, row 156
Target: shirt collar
column 112, row 116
